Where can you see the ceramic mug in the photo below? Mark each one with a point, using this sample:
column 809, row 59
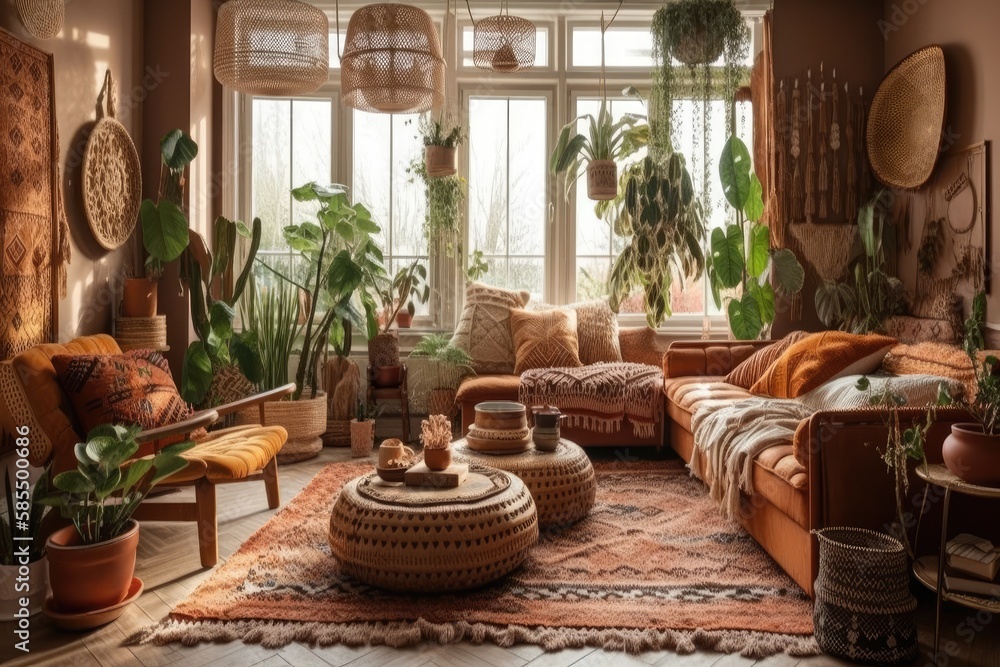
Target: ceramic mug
column 394, row 450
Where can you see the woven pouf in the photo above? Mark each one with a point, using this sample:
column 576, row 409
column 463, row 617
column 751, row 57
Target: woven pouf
column 864, row 610
column 427, row 540
column 561, row 482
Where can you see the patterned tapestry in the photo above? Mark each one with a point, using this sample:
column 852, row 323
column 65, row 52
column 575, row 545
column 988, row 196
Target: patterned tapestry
column 34, row 239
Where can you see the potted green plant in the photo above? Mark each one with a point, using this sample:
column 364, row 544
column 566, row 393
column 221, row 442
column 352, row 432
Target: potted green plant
column 972, row 451
column 477, row 267
column 363, row 428
column 447, row 365
column 223, row 365
column 605, row 143
column 91, row 562
column 340, row 258
column 409, row 284
column 741, row 258
column 164, row 225
column 441, row 140
column 661, row 223
column 23, row 565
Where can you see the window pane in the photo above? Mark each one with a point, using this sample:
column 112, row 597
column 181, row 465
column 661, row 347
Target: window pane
column 528, row 169
column 409, row 203
column 311, row 159
column 271, row 174
column 372, row 167
column 623, row 47
column 541, row 46
column 488, row 175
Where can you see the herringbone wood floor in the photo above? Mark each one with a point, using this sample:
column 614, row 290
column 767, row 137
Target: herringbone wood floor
column 168, row 564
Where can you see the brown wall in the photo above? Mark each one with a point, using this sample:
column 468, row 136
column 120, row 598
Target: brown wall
column 97, row 34
column 840, row 33
column 967, row 30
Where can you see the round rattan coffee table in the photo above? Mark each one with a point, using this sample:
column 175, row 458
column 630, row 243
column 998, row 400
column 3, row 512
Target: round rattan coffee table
column 428, row 540
column 561, row 482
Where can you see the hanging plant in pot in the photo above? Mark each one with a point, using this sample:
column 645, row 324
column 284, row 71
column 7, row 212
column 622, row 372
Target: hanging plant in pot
column 444, row 196
column 972, row 451
column 23, row 564
column 92, row 562
column 409, row 284
column 441, row 141
column 340, row 257
column 164, row 225
column 742, row 260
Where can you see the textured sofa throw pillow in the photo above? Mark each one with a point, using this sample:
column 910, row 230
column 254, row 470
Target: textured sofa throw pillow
column 130, row 388
column 819, row 358
column 842, row 393
column 483, row 329
column 754, row 367
column 596, row 330
column 544, row 339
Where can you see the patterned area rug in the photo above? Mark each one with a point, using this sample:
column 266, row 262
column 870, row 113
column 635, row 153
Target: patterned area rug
column 654, row 566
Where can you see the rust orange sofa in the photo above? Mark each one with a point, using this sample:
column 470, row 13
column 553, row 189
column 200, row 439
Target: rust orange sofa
column 830, row 474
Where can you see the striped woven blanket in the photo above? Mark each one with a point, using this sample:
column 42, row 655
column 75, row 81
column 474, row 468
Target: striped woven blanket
column 598, row 397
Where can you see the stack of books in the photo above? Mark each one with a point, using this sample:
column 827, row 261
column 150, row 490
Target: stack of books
column 973, row 563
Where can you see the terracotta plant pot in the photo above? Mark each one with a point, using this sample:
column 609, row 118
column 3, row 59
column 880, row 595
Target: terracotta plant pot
column 362, row 437
column 139, row 297
column 973, row 455
column 387, row 376
column 87, row 577
column 404, row 320
column 438, row 459
column 440, row 161
column 304, row 419
column 35, row 575
column 602, row 180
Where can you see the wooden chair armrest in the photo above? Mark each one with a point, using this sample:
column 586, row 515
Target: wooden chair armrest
column 202, row 419
column 256, row 399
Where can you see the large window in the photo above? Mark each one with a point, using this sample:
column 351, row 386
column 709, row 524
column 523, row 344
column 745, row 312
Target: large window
column 508, row 153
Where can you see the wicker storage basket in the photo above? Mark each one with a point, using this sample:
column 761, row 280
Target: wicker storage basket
column 864, row 610
column 441, row 402
column 602, row 180
column 362, row 437
column 141, row 333
column 304, row 419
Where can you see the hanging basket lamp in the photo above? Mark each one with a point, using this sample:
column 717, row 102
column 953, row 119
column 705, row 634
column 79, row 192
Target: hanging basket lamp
column 503, row 43
column 272, row 47
column 392, row 62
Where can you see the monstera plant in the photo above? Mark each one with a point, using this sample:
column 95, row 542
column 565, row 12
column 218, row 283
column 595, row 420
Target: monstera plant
column 742, row 262
column 660, row 218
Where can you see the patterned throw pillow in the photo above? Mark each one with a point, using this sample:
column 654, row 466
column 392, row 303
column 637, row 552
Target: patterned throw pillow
column 483, row 330
column 754, row 366
column 821, row 357
column 130, row 388
column 544, row 340
column 596, row 330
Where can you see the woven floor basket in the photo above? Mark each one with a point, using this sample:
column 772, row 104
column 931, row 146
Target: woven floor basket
column 864, row 610
column 138, row 333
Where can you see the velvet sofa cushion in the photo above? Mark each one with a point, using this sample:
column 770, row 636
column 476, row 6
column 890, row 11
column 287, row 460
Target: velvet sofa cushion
column 754, row 367
column 821, row 357
column 544, row 339
column 483, row 329
column 479, row 388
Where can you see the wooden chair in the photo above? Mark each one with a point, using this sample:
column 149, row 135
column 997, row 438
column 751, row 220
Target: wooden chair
column 397, row 393
column 33, row 397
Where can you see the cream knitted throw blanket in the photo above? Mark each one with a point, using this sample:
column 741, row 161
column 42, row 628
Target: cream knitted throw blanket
column 731, row 435
column 598, row 396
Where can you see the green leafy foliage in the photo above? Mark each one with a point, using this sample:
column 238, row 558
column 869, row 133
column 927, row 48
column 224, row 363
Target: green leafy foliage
column 164, row 225
column 21, row 523
column 408, row 285
column 101, row 494
column 742, row 261
column 271, row 314
column 477, row 266
column 985, row 405
column 444, row 196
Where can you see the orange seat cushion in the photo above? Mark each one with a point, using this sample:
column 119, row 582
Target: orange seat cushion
column 821, row 357
column 481, row 388
column 234, row 453
column 686, row 395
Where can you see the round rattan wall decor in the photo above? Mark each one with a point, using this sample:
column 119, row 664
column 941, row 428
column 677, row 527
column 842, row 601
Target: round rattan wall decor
column 112, row 181
column 42, row 18
column 907, row 118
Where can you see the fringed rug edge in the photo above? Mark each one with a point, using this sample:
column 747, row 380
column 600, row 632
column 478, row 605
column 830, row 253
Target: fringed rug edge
column 276, row 634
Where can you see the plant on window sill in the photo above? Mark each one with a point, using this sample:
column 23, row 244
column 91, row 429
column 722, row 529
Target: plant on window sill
column 409, row 284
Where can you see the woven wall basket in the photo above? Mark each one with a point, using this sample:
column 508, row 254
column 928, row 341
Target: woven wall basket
column 906, row 120
column 42, row 18
column 272, row 47
column 112, row 177
column 392, row 60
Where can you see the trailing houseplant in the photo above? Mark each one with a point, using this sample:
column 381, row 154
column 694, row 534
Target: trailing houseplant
column 444, row 196
column 742, row 261
column 409, row 284
column 661, row 221
column 164, row 225
column 23, row 566
column 441, row 139
column 91, row 562
column 223, row 365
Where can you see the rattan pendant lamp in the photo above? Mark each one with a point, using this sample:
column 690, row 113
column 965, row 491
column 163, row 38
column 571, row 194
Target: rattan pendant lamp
column 392, row 61
column 503, row 43
column 272, row 47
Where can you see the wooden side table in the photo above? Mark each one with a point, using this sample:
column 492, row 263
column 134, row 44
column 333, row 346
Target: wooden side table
column 398, row 393
column 929, row 570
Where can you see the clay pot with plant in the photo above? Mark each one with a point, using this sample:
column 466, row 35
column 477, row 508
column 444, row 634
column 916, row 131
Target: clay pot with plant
column 363, row 428
column 441, row 140
column 164, row 225
column 92, row 562
column 409, row 284
column 435, row 434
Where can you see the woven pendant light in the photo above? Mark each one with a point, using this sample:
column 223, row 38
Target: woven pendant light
column 392, row 60
column 504, row 43
column 272, row 47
